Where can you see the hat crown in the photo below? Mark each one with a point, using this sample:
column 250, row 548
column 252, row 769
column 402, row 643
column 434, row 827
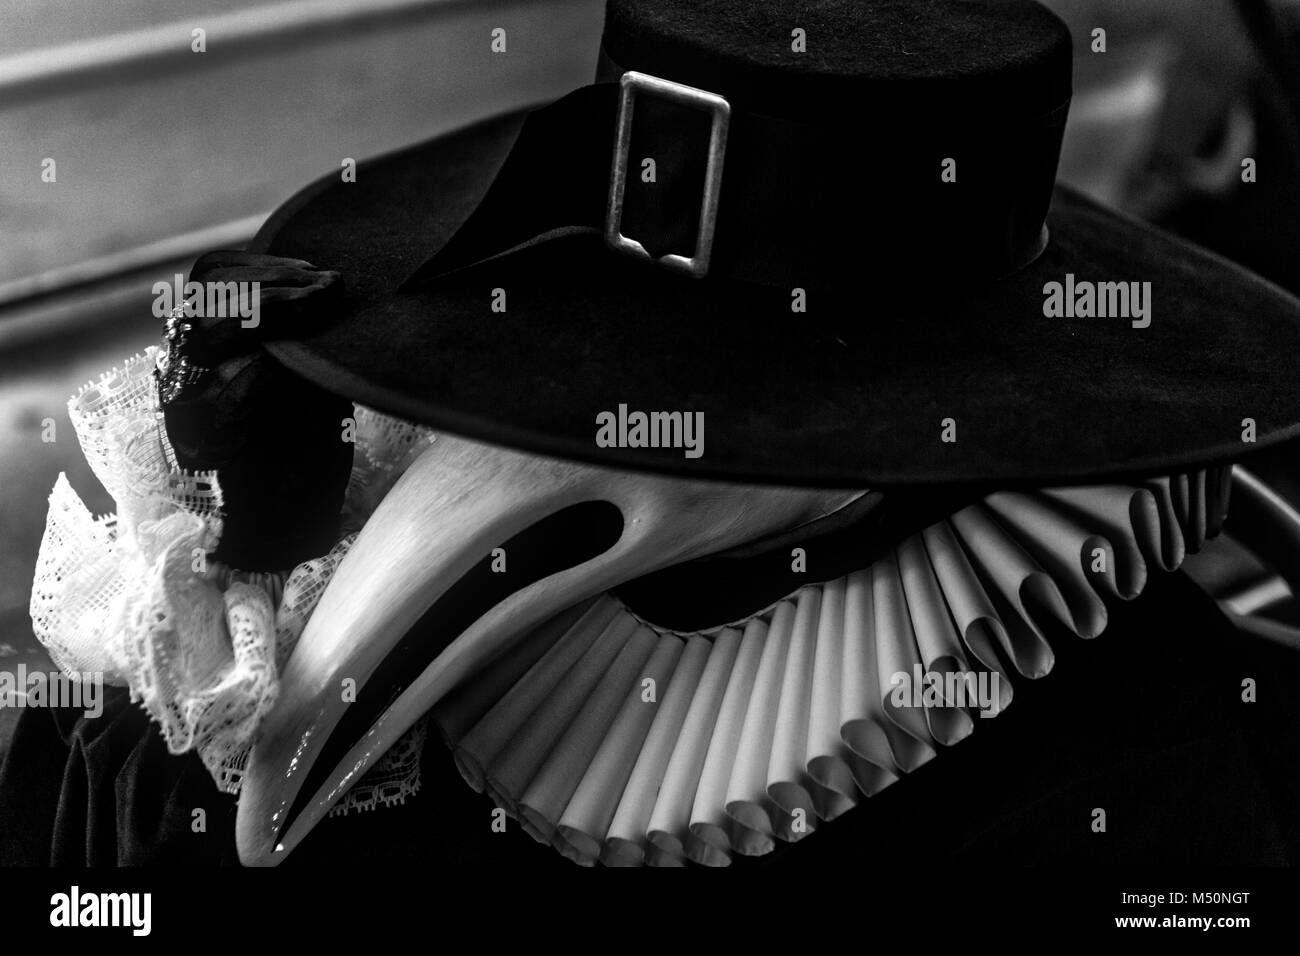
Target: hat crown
column 940, row 58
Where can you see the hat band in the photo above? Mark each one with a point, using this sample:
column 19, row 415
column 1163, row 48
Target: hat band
column 883, row 193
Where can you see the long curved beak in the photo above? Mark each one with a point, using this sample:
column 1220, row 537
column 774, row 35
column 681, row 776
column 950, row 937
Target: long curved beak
column 358, row 679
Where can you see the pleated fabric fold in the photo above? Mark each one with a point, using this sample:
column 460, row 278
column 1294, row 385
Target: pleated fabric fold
column 618, row 742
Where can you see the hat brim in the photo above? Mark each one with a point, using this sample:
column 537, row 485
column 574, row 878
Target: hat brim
column 857, row 391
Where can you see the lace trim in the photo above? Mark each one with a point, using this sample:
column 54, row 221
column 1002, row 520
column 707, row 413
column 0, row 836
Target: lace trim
column 134, row 597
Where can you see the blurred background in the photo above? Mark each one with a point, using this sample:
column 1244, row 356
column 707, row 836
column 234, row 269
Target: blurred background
column 162, row 150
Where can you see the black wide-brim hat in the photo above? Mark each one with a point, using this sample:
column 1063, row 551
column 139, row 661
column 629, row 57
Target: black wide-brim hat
column 877, row 306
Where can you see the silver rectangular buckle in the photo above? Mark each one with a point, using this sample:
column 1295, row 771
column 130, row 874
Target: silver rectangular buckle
column 698, row 264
